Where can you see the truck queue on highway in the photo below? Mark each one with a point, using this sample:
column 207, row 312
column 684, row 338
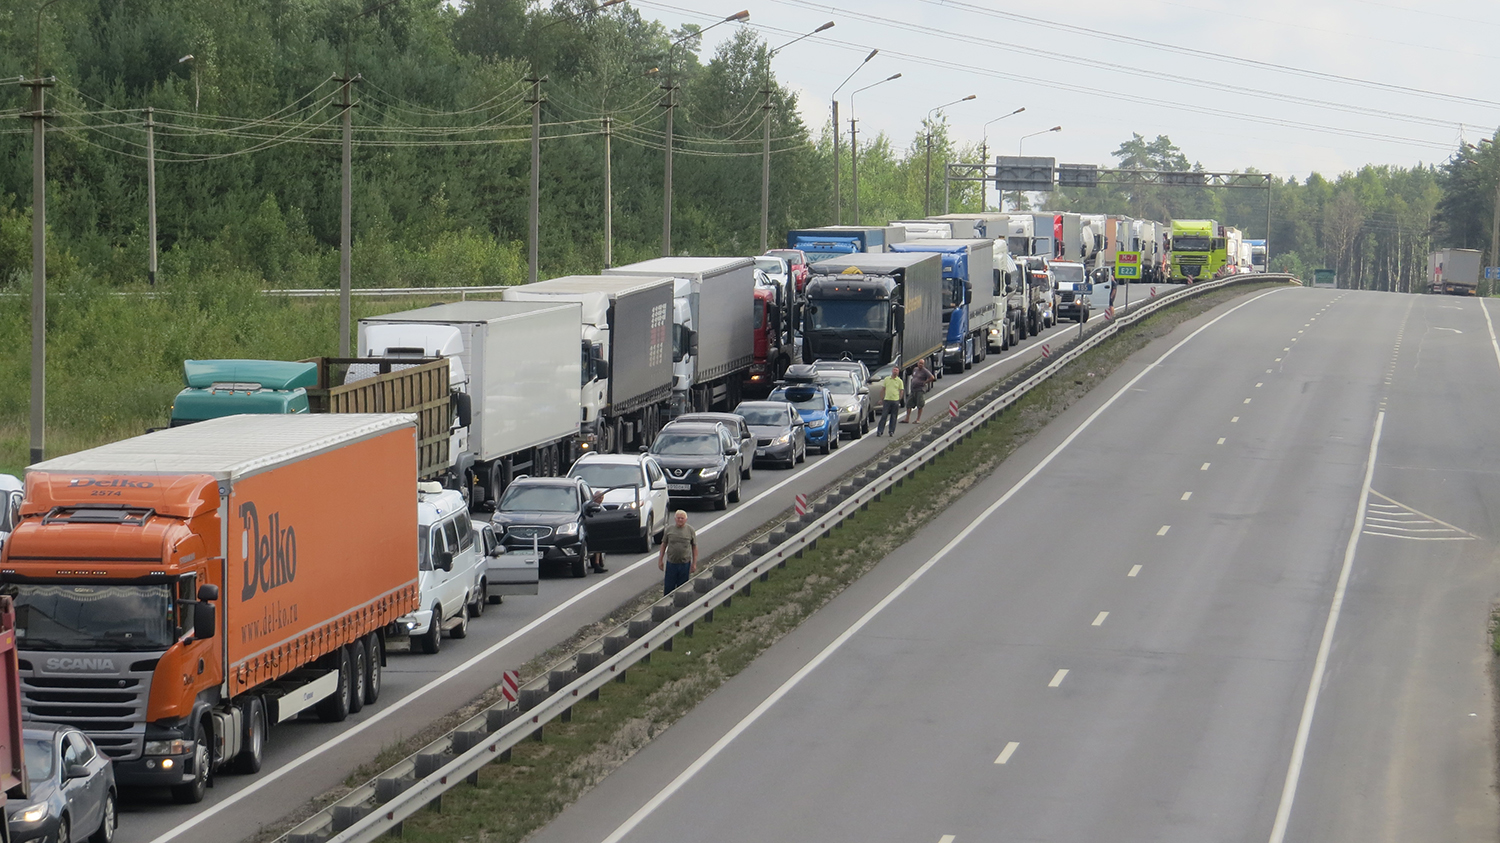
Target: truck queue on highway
column 486, row 441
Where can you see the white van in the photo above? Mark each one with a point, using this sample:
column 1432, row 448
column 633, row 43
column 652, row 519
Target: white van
column 451, row 583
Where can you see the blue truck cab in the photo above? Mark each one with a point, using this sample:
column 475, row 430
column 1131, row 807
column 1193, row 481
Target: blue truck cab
column 968, row 296
column 838, row 240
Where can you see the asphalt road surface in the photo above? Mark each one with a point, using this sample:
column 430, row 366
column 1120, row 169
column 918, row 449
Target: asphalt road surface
column 1238, row 593
column 306, row 758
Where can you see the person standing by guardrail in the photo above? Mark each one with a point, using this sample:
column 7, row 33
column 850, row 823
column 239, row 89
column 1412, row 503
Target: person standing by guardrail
column 679, row 552
column 892, row 389
column 921, row 380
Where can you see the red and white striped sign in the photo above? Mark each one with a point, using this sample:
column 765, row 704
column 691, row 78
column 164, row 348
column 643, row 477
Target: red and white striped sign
column 1153, row 292
column 1109, row 313
column 953, row 409
column 510, row 683
column 1046, row 350
column 801, row 506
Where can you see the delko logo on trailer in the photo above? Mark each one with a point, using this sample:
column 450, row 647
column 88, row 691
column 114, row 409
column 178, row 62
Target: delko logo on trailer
column 270, row 558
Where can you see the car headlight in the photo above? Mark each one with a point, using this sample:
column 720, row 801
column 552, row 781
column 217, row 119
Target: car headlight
column 817, row 424
column 709, row 473
column 570, row 529
column 631, row 504
column 952, row 348
column 177, row 747
column 782, row 439
column 34, row 813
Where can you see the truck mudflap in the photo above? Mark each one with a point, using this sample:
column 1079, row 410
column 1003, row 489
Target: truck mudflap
column 515, row 572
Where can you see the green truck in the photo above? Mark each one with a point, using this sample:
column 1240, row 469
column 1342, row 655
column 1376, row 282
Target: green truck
column 420, row 386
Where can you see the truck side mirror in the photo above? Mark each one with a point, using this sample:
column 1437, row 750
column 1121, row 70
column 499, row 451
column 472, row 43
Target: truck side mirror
column 207, row 592
column 692, row 343
column 601, row 370
column 968, row 293
column 900, row 314
column 463, row 408
column 205, row 617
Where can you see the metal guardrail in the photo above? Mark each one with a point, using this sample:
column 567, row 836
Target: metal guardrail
column 380, row 805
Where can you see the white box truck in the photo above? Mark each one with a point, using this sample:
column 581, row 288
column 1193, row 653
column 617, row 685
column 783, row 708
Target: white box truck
column 520, row 369
column 627, row 325
column 1454, row 271
column 714, row 317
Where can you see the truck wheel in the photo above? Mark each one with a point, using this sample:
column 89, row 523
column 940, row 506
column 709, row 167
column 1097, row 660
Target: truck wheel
column 462, row 630
column 374, row 666
column 481, row 597
column 254, row 739
column 192, row 792
column 357, row 672
column 335, row 708
column 432, row 640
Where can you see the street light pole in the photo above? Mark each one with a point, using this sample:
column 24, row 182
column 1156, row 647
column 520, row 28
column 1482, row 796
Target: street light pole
column 984, row 155
column 765, row 152
column 927, row 178
column 189, row 58
column 854, row 140
column 838, row 205
column 670, row 104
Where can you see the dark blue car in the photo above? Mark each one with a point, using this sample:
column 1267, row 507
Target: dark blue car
column 820, row 414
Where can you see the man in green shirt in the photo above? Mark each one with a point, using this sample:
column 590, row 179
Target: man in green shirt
column 679, row 552
column 892, row 388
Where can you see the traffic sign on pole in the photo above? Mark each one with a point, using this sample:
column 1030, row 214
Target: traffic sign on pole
column 1128, row 265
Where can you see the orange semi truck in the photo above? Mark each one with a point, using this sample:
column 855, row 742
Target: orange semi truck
column 180, row 593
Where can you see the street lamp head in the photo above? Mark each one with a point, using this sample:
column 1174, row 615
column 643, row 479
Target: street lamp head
column 870, row 56
column 607, row 3
column 893, row 77
column 1055, row 129
column 739, row 16
column 1017, row 111
column 969, row 97
column 825, row 26
column 188, row 57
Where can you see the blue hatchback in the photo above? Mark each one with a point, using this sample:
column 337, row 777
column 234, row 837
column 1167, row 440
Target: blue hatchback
column 820, row 414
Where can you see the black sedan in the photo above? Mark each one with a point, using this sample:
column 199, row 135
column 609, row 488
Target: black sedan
column 73, row 795
column 780, row 433
column 702, row 462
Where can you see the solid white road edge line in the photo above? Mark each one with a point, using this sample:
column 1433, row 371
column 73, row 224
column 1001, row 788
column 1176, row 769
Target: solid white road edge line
column 1493, row 343
column 795, row 679
column 1315, row 684
column 274, row 775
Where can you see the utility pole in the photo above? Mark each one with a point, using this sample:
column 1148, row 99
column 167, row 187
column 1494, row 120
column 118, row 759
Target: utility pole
column 854, row 163
column 670, row 105
column 38, row 117
column 151, row 196
column 346, row 216
column 947, row 187
column 1495, row 236
column 984, row 160
column 765, row 163
column 609, row 199
column 927, row 178
column 536, row 173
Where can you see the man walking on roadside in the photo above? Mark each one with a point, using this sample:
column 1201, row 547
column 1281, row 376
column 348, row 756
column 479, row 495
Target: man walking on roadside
column 679, row 552
column 891, row 406
column 921, row 380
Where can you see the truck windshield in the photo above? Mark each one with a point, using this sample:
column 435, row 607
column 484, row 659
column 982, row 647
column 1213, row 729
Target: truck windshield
column 953, row 294
column 835, row 314
column 1189, row 244
column 1068, row 273
column 109, row 618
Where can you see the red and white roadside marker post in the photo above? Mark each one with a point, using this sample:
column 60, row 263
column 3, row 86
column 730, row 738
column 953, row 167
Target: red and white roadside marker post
column 801, row 505
column 510, row 684
column 953, row 409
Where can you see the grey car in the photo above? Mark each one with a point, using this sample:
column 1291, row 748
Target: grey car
column 780, row 433
column 73, row 795
column 853, row 400
column 737, row 428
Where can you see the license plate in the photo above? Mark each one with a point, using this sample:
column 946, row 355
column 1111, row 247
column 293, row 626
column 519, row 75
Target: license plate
column 678, row 487
column 760, row 452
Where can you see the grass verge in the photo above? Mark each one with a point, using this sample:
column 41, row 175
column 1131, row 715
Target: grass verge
column 512, row 800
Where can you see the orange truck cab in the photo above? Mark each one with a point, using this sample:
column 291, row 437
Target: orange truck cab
column 180, row 593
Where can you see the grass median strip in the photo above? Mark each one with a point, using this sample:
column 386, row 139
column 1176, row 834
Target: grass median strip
column 512, row 800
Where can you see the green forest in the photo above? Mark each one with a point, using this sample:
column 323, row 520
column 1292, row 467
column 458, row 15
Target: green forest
column 245, row 104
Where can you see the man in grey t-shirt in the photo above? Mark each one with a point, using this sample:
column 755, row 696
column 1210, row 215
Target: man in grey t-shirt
column 679, row 552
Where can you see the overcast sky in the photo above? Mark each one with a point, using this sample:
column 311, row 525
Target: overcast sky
column 1421, row 73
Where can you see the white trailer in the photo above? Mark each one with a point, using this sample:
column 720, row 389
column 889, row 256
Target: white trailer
column 518, row 406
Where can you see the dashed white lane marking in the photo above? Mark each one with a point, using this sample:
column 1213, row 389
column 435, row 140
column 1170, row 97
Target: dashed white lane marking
column 1057, row 678
column 1204, row 468
column 1134, row 569
column 1234, row 420
column 1164, row 529
column 1099, row 619
column 1221, row 440
column 1186, row 495
column 1007, row 752
column 1247, row 400
column 1278, row 360
column 1261, row 384
column 947, row 838
column 1286, row 349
